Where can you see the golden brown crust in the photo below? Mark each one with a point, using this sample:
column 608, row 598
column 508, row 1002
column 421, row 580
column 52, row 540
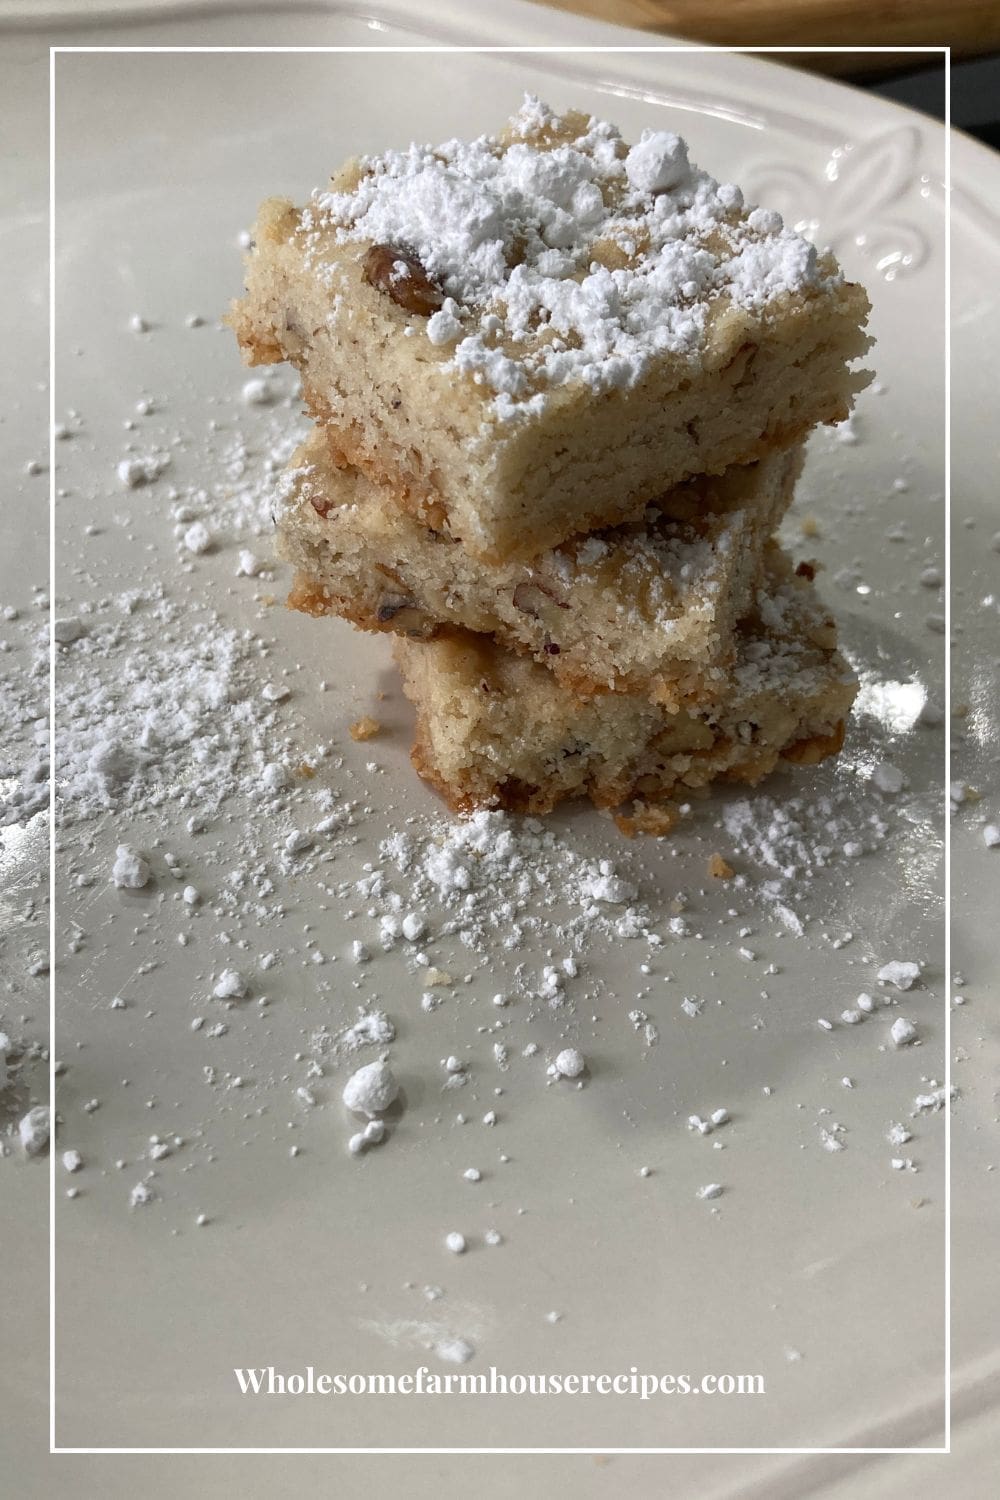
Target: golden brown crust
column 310, row 598
column 811, row 751
column 255, row 350
column 658, row 815
column 459, row 800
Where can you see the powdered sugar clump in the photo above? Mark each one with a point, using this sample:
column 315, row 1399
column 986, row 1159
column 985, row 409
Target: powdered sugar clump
column 230, row 985
column 903, row 1032
column 130, row 870
column 903, row 973
column 142, row 468
column 658, row 163
column 33, row 1130
column 569, row 1063
column 371, row 1089
column 606, row 886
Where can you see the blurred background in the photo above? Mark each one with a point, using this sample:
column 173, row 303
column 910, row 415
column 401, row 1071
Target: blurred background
column 970, row 27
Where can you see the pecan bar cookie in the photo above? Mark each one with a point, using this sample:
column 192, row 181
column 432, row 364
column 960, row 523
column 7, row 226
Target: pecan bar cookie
column 648, row 607
column 531, row 335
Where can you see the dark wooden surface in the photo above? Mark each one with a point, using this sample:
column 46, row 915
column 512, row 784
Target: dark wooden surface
column 970, row 27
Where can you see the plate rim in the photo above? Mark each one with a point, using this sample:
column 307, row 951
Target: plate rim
column 513, row 22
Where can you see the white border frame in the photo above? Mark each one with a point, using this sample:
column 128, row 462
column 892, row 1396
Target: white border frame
column 944, row 52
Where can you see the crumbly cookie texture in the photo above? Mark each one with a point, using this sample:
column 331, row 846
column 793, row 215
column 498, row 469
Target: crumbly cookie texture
column 532, row 335
column 651, row 606
column 494, row 729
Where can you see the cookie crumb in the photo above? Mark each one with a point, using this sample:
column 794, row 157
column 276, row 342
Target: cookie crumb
column 365, row 728
column 655, row 821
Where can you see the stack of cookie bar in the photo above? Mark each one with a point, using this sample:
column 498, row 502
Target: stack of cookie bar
column 560, row 388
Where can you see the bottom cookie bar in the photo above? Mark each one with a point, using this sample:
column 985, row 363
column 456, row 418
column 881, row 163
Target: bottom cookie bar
column 495, row 729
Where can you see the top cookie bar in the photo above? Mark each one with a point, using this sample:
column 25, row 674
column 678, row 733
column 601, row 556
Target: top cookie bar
column 529, row 336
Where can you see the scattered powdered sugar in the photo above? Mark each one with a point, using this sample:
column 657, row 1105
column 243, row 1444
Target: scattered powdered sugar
column 24, row 744
column 371, row 1029
column 607, row 886
column 497, row 877
column 167, row 706
column 788, row 842
column 163, row 709
column 935, row 1099
column 796, row 837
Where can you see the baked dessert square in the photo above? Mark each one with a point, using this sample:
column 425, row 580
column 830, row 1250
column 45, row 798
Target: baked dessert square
column 647, row 607
column 531, row 335
column 495, row 729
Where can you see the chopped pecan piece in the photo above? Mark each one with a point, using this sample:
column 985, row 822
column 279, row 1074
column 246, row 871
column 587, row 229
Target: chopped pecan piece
column 403, row 615
column 399, row 273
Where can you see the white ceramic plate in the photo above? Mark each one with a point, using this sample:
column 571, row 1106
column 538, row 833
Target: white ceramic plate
column 828, row 1255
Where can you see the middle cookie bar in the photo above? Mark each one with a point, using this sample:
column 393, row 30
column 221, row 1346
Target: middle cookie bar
column 652, row 606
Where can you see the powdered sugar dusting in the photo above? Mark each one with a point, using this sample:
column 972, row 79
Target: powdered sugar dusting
column 565, row 255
